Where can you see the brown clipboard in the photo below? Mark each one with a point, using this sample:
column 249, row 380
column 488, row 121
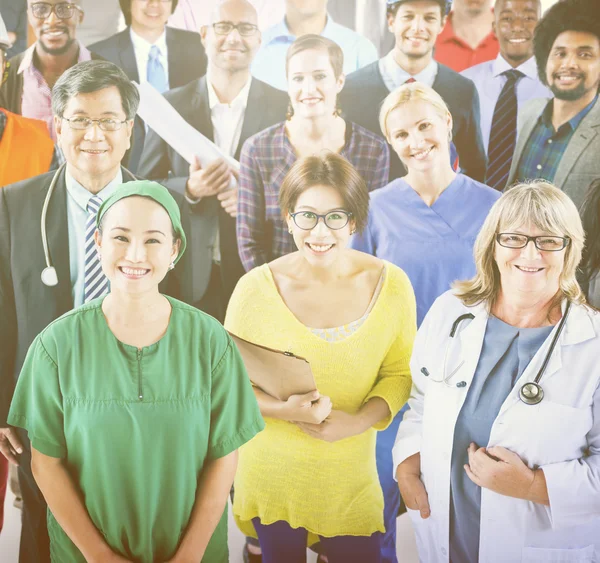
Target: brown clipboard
column 279, row 374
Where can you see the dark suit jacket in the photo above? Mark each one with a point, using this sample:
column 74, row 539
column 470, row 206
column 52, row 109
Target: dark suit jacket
column 186, row 59
column 365, row 91
column 266, row 106
column 27, row 306
column 580, row 163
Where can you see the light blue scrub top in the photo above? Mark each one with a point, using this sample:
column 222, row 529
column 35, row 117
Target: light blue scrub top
column 506, row 352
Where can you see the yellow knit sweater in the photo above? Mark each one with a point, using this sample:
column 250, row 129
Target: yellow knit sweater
column 330, row 489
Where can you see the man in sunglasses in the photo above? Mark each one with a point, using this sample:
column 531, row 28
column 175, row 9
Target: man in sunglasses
column 33, row 73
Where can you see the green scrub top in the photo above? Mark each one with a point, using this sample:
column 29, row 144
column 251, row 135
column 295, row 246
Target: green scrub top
column 135, row 427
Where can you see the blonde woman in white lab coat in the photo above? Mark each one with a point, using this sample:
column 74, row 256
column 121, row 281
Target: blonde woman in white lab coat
column 488, row 471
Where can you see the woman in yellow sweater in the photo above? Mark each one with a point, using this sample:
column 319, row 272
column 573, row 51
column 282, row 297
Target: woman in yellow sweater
column 312, row 470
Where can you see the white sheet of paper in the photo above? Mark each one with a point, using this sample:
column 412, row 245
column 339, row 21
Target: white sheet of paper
column 161, row 116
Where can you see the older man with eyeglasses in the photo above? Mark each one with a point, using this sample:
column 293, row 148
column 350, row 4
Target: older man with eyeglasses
column 34, row 72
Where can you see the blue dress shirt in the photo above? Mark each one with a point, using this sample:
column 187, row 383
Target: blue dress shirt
column 77, row 200
column 269, row 64
column 489, row 82
column 394, row 76
column 545, row 145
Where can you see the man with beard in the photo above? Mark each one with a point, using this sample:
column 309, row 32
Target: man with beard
column 557, row 139
column 506, row 83
column 416, row 25
column 467, row 38
column 33, row 73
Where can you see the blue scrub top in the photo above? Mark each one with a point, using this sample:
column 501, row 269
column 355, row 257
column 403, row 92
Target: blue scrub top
column 506, row 352
column 433, row 245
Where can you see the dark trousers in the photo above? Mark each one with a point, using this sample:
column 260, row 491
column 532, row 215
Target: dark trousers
column 35, row 544
column 213, row 300
column 280, row 542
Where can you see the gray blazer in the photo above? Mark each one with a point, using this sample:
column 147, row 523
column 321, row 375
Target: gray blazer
column 580, row 163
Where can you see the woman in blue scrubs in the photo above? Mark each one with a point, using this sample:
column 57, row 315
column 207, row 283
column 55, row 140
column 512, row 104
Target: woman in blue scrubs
column 425, row 222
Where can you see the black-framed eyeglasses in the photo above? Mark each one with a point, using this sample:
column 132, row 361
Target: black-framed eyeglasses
column 244, row 29
column 334, row 220
column 544, row 242
column 106, row 124
column 63, row 11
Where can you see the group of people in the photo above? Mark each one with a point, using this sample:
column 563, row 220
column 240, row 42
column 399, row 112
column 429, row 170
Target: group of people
column 417, row 234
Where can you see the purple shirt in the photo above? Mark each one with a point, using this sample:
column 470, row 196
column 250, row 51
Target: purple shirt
column 36, row 101
column 266, row 158
column 433, row 245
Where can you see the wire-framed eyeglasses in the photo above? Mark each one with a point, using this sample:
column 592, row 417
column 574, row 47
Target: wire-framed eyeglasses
column 63, row 10
column 244, row 29
column 80, row 123
column 334, row 220
column 543, row 242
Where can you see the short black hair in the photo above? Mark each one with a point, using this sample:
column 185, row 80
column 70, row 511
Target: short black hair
column 590, row 262
column 566, row 15
column 392, row 9
column 126, row 9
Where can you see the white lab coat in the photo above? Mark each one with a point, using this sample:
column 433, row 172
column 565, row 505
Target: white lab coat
column 559, row 435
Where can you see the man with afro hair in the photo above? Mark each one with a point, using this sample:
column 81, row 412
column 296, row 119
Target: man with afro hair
column 558, row 138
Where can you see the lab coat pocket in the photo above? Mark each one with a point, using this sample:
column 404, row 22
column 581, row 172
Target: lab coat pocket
column 547, row 555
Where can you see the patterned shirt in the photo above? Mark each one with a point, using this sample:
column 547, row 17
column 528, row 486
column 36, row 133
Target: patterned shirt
column 37, row 95
column 545, row 146
column 265, row 160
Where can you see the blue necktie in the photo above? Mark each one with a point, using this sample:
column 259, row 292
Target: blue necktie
column 156, row 74
column 503, row 134
column 95, row 282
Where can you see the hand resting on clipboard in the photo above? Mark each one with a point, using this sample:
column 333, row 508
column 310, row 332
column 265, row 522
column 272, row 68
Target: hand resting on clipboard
column 279, row 374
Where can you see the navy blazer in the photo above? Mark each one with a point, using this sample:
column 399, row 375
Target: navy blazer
column 365, row 91
column 186, row 58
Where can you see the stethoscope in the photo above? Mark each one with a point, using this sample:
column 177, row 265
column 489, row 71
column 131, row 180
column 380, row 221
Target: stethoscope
column 531, row 393
column 49, row 275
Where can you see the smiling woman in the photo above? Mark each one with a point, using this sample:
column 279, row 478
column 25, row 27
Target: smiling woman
column 132, row 391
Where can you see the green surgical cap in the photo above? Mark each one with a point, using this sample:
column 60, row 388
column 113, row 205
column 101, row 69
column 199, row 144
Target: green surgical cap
column 153, row 190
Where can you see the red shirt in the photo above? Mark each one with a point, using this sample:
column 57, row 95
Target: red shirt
column 452, row 51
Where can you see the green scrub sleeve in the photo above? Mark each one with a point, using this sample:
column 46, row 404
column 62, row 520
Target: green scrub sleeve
column 235, row 417
column 37, row 404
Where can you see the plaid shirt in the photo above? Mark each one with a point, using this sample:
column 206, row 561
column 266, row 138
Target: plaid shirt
column 262, row 234
column 546, row 146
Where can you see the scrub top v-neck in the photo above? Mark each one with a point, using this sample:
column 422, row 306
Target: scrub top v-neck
column 135, row 427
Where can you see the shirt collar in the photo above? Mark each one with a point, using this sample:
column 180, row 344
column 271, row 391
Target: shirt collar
column 528, row 68
column 392, row 68
column 241, row 100
column 448, row 36
column 27, row 62
column 143, row 46
column 281, row 31
column 81, row 196
column 574, row 122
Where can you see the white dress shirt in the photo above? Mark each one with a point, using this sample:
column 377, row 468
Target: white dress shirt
column 141, row 49
column 489, row 82
column 227, row 121
column 394, row 75
column 77, row 215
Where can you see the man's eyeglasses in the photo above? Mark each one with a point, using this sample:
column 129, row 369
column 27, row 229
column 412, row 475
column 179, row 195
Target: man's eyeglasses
column 63, row 11
column 106, row 124
column 334, row 220
column 244, row 29
column 545, row 243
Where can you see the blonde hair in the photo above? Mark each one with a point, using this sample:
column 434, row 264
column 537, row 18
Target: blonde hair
column 550, row 210
column 415, row 91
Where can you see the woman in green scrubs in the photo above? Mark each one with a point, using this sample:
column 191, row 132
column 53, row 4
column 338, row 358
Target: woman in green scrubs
column 135, row 404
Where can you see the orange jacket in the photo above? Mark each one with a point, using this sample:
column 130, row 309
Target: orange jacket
column 26, row 149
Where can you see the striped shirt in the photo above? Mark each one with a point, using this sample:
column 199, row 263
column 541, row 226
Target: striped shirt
column 266, row 158
column 546, row 145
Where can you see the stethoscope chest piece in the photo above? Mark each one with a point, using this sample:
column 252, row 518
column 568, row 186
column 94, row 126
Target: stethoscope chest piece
column 49, row 277
column 531, row 393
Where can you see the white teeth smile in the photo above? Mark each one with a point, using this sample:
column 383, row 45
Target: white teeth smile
column 422, row 154
column 531, row 270
column 517, row 40
column 134, row 272
column 319, row 247
column 54, row 33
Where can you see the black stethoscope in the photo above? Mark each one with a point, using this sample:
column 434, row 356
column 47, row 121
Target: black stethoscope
column 531, row 393
column 49, row 275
